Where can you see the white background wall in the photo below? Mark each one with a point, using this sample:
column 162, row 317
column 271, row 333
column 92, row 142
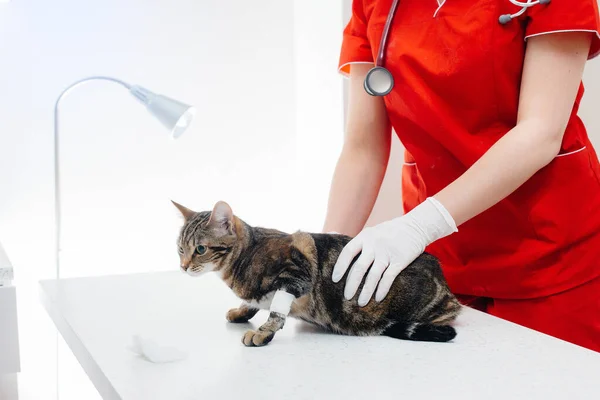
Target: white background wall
column 263, row 76
column 119, row 170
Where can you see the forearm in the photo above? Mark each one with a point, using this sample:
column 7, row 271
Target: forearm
column 544, row 111
column 361, row 166
column 354, row 189
column 504, row 167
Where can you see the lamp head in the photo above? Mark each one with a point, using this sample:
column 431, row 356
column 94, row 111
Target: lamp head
column 174, row 115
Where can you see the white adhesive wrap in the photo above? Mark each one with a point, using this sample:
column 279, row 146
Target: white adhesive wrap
column 282, row 302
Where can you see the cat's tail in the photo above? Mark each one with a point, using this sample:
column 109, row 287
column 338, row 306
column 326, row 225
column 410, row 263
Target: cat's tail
column 421, row 332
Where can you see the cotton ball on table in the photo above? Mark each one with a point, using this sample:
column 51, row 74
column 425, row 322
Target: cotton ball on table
column 154, row 352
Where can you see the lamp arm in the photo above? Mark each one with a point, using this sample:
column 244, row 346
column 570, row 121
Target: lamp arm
column 57, row 208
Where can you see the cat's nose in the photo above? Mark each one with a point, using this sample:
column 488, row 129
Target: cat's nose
column 185, row 264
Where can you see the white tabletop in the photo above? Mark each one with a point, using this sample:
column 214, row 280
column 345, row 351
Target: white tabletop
column 489, row 359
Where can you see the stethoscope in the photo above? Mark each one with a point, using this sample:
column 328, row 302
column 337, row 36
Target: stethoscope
column 379, row 80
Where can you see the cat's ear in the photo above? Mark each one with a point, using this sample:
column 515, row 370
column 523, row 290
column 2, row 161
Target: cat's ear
column 186, row 212
column 221, row 218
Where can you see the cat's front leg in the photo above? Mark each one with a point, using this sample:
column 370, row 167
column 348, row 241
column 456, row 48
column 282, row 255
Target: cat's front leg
column 266, row 332
column 279, row 310
column 243, row 313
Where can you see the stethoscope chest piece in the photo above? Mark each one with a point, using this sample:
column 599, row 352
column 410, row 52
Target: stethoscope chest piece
column 379, row 81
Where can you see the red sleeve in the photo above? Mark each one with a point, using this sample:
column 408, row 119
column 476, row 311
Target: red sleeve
column 355, row 44
column 565, row 16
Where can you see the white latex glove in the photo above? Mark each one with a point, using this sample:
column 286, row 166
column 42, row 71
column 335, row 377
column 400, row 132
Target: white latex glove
column 390, row 247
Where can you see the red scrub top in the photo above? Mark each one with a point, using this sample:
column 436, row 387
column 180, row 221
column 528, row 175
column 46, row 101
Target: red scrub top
column 457, row 74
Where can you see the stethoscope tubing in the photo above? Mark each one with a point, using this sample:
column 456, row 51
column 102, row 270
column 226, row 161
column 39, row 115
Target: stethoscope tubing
column 379, row 64
column 384, row 36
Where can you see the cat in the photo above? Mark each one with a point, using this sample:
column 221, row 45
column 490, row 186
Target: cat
column 260, row 264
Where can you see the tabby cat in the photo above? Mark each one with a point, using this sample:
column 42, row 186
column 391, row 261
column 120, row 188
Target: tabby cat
column 256, row 263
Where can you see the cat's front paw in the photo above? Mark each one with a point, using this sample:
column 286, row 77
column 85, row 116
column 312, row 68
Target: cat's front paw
column 257, row 338
column 241, row 314
column 237, row 316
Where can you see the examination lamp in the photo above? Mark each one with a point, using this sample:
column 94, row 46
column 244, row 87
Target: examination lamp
column 175, row 116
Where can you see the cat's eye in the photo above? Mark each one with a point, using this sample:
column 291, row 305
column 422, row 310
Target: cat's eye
column 200, row 249
column 180, row 250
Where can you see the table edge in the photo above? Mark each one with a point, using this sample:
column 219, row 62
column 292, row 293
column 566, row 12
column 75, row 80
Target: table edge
column 82, row 355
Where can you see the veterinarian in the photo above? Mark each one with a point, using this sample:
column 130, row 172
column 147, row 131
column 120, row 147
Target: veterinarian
column 500, row 180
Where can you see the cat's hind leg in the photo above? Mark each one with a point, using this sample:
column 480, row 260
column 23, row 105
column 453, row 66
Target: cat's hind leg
column 421, row 332
column 242, row 314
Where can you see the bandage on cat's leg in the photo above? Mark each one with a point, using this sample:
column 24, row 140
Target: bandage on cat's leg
column 243, row 313
column 279, row 310
column 282, row 302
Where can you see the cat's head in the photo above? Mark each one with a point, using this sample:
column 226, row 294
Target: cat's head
column 206, row 239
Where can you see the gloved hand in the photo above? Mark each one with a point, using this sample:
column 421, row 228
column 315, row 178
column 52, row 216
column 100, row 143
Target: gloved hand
column 390, row 247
